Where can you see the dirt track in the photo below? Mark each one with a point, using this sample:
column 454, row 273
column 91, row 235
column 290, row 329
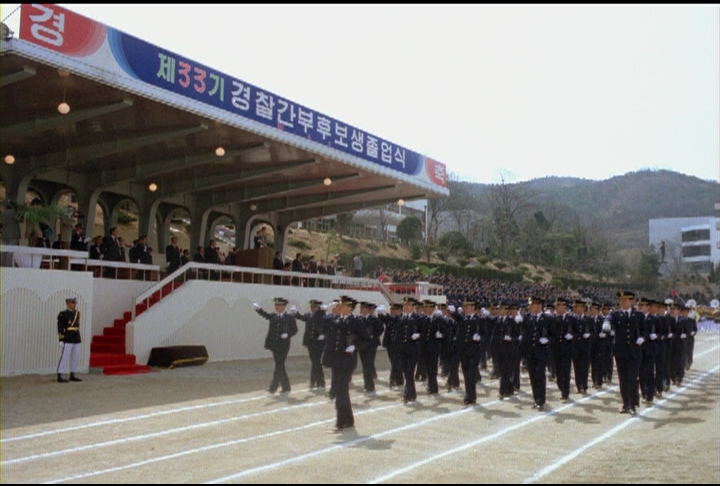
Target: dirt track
column 214, row 423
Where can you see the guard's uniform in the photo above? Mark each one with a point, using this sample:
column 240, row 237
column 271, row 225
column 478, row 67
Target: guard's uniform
column 314, row 341
column 281, row 328
column 68, row 327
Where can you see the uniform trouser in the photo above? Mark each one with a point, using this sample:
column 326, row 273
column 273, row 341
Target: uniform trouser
column 563, row 365
column 597, row 358
column 628, row 370
column 516, row 359
column 367, row 358
column 396, row 371
column 430, row 359
column 677, row 362
column 453, row 380
column 317, row 376
column 280, row 375
column 469, row 363
column 70, row 353
column 409, row 364
column 536, row 370
column 689, row 350
column 581, row 365
column 505, row 358
column 667, row 360
column 550, row 362
column 608, row 360
column 421, row 370
column 445, row 355
column 660, row 368
column 648, row 371
column 341, row 376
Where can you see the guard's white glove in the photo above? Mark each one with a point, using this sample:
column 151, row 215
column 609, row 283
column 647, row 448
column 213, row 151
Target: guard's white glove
column 437, row 312
column 381, row 309
column 451, row 308
column 438, row 335
column 460, row 310
column 321, row 337
column 415, row 336
column 586, row 335
column 612, row 333
column 639, row 341
column 670, row 335
column 520, row 338
column 683, row 336
column 568, row 337
column 485, row 312
column 255, row 305
column 548, row 312
column 602, row 335
column 518, row 319
column 350, row 348
column 293, row 309
column 507, row 338
column 323, row 307
column 86, row 240
column 284, row 335
column 476, row 337
column 606, row 326
column 692, row 333
column 653, row 336
column 543, row 340
column 61, row 344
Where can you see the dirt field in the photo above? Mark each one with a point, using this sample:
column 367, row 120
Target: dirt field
column 214, row 423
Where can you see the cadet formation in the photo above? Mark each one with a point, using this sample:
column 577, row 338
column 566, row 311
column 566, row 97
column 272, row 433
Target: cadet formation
column 646, row 344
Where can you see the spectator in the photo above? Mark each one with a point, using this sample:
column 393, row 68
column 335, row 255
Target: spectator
column 297, row 266
column 357, row 266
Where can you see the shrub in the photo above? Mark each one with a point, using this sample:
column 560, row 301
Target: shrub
column 392, row 246
column 482, row 259
column 415, row 251
column 125, row 218
column 500, row 265
column 299, row 244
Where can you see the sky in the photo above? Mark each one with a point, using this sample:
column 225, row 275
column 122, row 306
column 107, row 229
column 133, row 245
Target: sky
column 495, row 92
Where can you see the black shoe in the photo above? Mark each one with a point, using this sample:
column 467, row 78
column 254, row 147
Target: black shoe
column 624, row 410
column 74, row 378
column 60, row 379
column 633, row 411
column 271, row 390
column 541, row 407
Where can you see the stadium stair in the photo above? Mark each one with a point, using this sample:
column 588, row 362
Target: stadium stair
column 107, row 351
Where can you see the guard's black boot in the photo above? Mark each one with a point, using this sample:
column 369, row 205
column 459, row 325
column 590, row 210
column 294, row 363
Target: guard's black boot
column 74, row 378
column 61, row 379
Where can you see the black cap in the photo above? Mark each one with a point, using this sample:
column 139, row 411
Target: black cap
column 428, row 303
column 280, row 300
column 535, row 300
column 314, row 302
column 396, row 306
column 71, row 299
column 624, row 294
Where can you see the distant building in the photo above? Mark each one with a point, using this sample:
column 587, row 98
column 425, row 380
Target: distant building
column 687, row 245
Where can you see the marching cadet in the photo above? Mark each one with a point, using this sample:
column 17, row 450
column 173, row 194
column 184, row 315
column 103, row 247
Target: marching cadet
column 606, row 312
column 519, row 355
column 628, row 325
column 668, row 344
column 679, row 326
column 368, row 343
column 421, row 368
column 431, row 324
column 281, row 328
column 691, row 332
column 600, row 331
column 505, row 343
column 391, row 322
column 68, row 326
column 659, row 313
column 650, row 349
column 408, row 335
column 314, row 341
column 342, row 333
column 581, row 346
column 563, row 330
column 468, row 338
column 537, row 337
column 452, row 321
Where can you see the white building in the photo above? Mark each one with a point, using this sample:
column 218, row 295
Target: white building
column 687, row 245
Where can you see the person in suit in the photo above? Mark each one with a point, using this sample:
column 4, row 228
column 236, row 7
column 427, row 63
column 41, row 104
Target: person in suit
column 628, row 324
column 297, row 266
column 282, row 327
column 68, row 327
column 111, row 251
column 95, row 250
column 211, row 253
column 78, row 240
column 172, row 255
column 537, row 337
column 314, row 341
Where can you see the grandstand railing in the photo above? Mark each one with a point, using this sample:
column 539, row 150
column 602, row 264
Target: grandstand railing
column 51, row 259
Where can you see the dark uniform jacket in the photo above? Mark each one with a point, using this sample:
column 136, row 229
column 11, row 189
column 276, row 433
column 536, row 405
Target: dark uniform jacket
column 468, row 326
column 538, row 326
column 68, row 325
column 342, row 331
column 628, row 328
column 279, row 324
column 314, row 327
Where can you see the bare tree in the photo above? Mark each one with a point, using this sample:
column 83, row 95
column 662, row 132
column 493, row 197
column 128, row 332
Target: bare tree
column 507, row 201
column 382, row 223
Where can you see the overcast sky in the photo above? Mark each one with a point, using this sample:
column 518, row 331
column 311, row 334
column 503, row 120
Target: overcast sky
column 494, row 91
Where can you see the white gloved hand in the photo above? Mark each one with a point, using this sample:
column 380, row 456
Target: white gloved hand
column 415, row 336
column 255, row 305
column 485, row 312
column 293, row 309
column 437, row 312
column 323, row 307
column 602, row 335
column 460, row 310
column 321, row 337
column 683, row 336
column 568, row 337
column 284, row 335
column 548, row 312
column 543, row 340
column 606, row 326
column 61, row 344
column 507, row 338
column 612, row 333
column 586, row 335
column 476, row 337
column 653, row 336
column 520, row 338
column 670, row 335
column 639, row 341
column 438, row 335
column 692, row 333
column 518, row 319
column 350, row 348
column 381, row 309
column 451, row 308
